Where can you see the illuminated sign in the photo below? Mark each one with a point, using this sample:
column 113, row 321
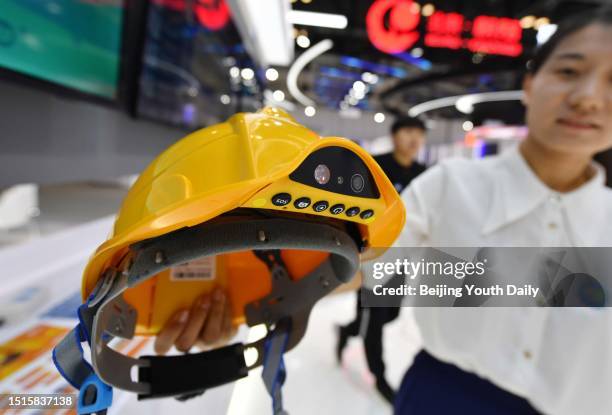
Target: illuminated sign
column 392, row 27
column 404, row 19
column 212, row 14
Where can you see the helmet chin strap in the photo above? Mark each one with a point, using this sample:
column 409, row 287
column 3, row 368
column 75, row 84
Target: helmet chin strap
column 284, row 311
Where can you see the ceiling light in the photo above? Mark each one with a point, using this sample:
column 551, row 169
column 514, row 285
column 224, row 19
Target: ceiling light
column 417, row 52
column 247, row 73
column 369, row 77
column 379, row 117
column 357, row 94
column 310, row 111
column 465, row 104
column 545, row 32
column 271, row 74
column 234, row 72
column 468, row 126
column 428, row 10
column 359, row 86
column 542, row 21
column 331, row 21
column 303, row 41
column 299, row 64
column 278, row 95
column 473, row 99
column 265, row 30
column 527, row 22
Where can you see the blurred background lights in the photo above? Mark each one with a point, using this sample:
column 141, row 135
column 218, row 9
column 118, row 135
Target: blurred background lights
column 310, row 111
column 303, row 41
column 225, row 99
column 542, row 21
column 428, row 10
column 271, row 74
column 247, row 73
column 234, row 72
column 545, row 33
column 379, row 117
column 359, row 86
column 468, row 126
column 417, row 52
column 527, row 22
column 278, row 95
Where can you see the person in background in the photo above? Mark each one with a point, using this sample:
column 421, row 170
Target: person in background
column 546, row 192
column 400, row 166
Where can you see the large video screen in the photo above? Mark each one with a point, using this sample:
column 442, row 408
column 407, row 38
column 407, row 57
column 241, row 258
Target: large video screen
column 73, row 43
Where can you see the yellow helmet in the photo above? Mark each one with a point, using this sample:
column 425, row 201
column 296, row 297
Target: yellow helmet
column 259, row 205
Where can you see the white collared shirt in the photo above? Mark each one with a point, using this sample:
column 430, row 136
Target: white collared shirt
column 558, row 359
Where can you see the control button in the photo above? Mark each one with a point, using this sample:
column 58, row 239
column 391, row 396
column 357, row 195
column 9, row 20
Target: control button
column 357, row 183
column 281, row 199
column 337, row 209
column 320, row 206
column 367, row 214
column 350, row 212
column 302, row 203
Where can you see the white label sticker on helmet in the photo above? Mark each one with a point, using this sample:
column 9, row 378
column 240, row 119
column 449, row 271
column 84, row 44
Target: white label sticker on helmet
column 199, row 270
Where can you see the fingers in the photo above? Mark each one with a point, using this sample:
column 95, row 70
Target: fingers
column 211, row 333
column 197, row 318
column 229, row 331
column 171, row 331
column 207, row 323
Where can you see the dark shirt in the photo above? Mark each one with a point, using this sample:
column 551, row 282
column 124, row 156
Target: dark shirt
column 399, row 175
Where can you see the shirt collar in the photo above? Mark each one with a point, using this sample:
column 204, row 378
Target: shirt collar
column 517, row 191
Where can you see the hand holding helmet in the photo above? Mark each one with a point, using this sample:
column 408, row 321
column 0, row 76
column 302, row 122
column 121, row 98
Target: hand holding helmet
column 207, row 324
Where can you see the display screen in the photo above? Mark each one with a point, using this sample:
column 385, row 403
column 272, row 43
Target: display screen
column 73, row 43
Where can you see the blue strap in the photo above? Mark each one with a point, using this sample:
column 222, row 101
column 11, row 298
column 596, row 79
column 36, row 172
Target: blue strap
column 274, row 373
column 94, row 395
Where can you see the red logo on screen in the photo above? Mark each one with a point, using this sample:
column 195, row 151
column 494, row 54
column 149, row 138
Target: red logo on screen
column 400, row 32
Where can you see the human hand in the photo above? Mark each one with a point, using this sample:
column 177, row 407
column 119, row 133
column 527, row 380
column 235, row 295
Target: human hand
column 208, row 323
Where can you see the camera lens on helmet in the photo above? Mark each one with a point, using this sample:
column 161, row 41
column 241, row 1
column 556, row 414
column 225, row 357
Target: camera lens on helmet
column 322, row 174
column 357, row 183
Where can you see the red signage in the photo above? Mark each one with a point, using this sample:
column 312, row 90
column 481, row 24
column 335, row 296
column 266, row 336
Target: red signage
column 403, row 22
column 399, row 32
column 212, row 14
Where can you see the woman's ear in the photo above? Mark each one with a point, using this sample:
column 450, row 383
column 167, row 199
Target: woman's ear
column 527, row 82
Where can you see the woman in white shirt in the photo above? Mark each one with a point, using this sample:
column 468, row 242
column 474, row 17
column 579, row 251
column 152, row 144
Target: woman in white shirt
column 547, row 192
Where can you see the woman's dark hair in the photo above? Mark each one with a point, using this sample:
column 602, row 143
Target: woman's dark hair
column 407, row 122
column 572, row 24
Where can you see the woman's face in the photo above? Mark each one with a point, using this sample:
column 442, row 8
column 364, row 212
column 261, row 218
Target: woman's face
column 569, row 100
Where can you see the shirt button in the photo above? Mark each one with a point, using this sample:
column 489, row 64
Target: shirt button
column 527, row 354
column 555, row 198
column 552, row 226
